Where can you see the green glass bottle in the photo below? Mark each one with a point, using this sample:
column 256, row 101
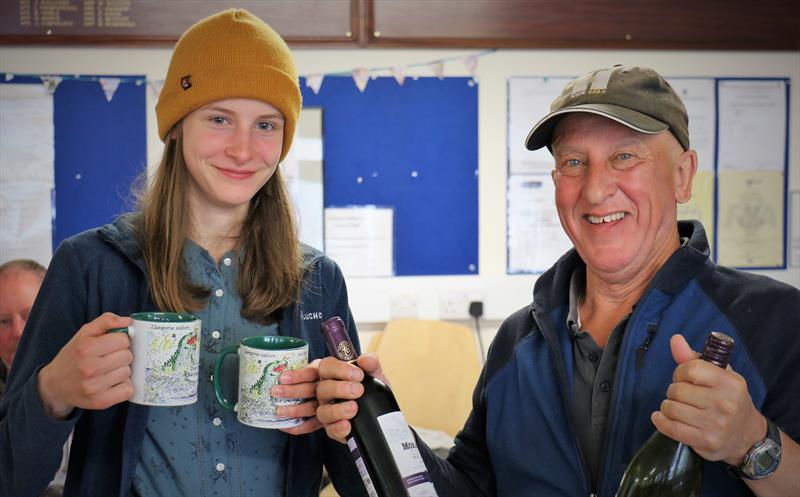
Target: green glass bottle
column 663, row 467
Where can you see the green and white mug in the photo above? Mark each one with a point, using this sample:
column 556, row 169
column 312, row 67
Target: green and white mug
column 166, row 358
column 262, row 359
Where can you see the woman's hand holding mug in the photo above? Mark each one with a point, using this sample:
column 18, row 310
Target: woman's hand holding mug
column 92, row 371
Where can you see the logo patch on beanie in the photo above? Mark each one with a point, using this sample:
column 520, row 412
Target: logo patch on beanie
column 186, row 82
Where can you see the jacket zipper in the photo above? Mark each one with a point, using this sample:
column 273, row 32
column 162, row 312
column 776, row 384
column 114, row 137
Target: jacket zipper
column 651, row 332
column 564, row 395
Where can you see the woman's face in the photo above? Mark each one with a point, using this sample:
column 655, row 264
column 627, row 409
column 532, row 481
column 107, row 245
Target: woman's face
column 231, row 148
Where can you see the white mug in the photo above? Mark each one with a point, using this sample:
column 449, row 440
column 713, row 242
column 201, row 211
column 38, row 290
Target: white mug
column 262, row 359
column 166, row 358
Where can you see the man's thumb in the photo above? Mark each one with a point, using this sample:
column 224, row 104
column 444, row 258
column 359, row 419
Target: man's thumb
column 681, row 351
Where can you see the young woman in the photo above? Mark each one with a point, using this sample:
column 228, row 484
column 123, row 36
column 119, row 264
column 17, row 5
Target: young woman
column 213, row 235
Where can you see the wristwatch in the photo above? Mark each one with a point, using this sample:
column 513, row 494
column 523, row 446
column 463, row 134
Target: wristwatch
column 763, row 458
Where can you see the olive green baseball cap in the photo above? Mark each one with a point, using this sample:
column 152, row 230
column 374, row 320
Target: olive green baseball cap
column 637, row 97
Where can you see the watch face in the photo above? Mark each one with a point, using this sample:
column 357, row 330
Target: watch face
column 765, row 459
column 762, row 463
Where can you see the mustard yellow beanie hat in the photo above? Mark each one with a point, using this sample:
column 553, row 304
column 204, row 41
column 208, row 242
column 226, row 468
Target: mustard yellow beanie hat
column 232, row 54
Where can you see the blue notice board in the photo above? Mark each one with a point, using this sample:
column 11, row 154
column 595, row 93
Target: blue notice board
column 413, row 148
column 100, row 150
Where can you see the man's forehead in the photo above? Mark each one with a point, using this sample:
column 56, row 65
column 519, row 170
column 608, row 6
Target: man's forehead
column 582, row 122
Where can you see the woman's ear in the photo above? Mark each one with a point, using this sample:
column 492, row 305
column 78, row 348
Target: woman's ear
column 685, row 169
column 173, row 133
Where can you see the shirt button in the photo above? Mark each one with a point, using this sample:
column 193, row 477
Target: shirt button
column 605, row 386
column 216, row 421
column 220, row 466
column 216, row 334
column 594, row 356
column 219, row 292
column 226, row 261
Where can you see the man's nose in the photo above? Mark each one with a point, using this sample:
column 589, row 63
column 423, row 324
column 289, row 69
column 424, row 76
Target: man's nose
column 17, row 326
column 600, row 183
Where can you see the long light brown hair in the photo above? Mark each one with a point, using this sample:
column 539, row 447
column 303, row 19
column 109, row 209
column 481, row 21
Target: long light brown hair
column 270, row 272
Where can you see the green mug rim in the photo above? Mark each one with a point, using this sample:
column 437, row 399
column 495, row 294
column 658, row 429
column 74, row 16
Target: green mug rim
column 273, row 342
column 164, row 317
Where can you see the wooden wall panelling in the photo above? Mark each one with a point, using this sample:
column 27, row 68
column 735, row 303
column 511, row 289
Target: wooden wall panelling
column 161, row 22
column 662, row 24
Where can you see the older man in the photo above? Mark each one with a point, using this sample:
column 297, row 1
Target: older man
column 576, row 381
column 20, row 280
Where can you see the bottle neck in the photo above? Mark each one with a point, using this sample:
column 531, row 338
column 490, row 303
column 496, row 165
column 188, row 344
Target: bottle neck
column 717, row 349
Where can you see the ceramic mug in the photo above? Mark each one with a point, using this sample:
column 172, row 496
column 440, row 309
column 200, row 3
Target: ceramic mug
column 166, row 358
column 262, row 359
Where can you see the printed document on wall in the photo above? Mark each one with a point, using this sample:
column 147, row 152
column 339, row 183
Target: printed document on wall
column 753, row 117
column 752, row 125
column 535, row 237
column 27, row 175
column 750, row 229
column 360, row 239
column 302, row 172
column 529, row 100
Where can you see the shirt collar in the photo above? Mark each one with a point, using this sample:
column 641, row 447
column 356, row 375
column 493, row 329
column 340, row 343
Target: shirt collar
column 577, row 290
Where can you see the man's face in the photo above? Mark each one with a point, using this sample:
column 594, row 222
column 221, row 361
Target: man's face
column 616, row 193
column 18, row 289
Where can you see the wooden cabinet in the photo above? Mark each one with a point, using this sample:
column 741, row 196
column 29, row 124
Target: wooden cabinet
column 582, row 24
column 160, row 22
column 671, row 24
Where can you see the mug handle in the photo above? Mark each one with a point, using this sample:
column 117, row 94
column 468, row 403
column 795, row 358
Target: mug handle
column 127, row 329
column 227, row 404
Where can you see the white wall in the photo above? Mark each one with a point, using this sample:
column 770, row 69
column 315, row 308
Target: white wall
column 373, row 297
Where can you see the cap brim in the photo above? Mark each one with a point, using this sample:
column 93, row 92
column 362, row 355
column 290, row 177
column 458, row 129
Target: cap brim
column 540, row 134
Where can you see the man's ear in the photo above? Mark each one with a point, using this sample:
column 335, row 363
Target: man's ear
column 685, row 169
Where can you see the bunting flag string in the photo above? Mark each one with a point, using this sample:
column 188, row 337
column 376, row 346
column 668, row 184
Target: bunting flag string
column 360, row 75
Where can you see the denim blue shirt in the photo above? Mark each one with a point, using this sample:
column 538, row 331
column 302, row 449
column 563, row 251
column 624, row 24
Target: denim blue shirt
column 201, row 449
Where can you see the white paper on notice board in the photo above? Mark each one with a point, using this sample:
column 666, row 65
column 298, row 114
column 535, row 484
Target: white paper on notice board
column 27, row 173
column 698, row 97
column 535, row 236
column 752, row 125
column 360, row 239
column 529, row 101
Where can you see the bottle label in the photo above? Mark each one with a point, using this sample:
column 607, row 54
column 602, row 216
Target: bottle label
column 404, row 450
column 362, row 468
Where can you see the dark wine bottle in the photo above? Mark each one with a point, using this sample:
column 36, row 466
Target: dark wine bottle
column 381, row 443
column 664, row 467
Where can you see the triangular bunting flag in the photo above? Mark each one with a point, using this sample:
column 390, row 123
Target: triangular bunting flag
column 51, row 83
column 314, row 82
column 438, row 68
column 399, row 75
column 471, row 63
column 361, row 78
column 109, row 86
column 155, row 86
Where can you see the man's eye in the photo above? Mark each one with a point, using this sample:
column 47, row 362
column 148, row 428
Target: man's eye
column 217, row 119
column 4, row 323
column 625, row 156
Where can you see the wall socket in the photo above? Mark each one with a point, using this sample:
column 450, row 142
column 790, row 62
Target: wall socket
column 405, row 306
column 454, row 305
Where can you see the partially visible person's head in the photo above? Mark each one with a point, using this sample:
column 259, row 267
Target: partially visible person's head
column 620, row 142
column 20, row 280
column 227, row 114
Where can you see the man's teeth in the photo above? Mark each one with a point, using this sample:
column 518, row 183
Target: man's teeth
column 606, row 219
